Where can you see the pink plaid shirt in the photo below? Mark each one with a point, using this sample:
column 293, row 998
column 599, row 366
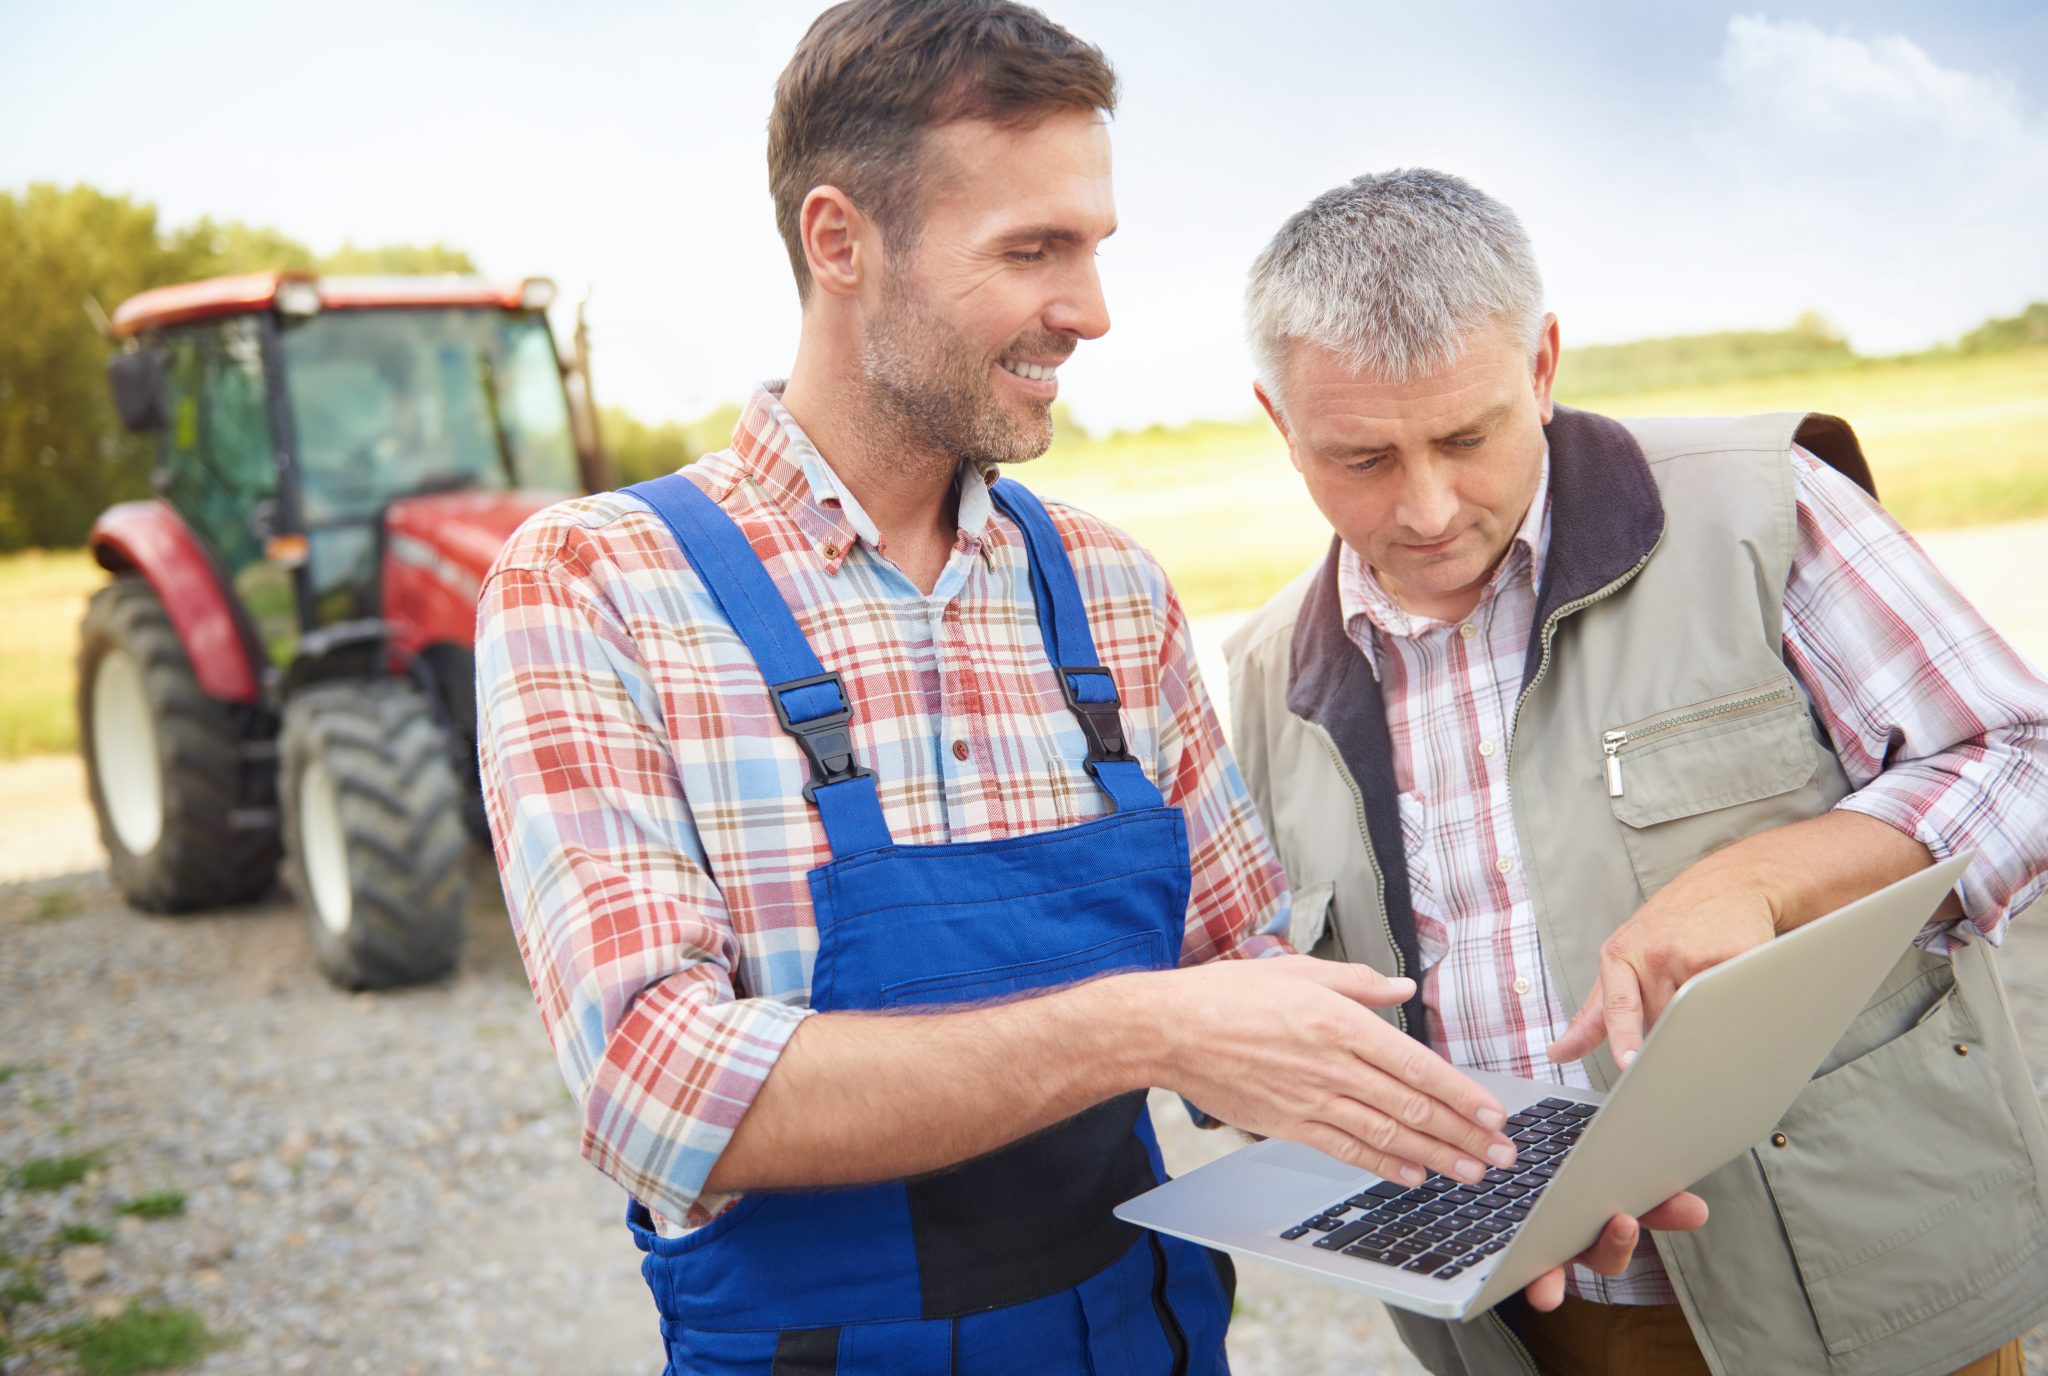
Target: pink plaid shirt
column 1931, row 713
column 647, row 810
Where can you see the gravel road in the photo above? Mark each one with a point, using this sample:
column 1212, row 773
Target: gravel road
column 390, row 1184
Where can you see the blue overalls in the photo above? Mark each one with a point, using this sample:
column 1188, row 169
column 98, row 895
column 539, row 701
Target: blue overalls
column 1011, row 1262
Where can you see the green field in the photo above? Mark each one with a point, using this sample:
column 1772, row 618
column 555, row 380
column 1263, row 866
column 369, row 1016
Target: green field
column 1953, row 441
column 42, row 596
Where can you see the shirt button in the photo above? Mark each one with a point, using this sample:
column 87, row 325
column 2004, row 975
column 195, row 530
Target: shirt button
column 1521, row 984
column 1468, row 630
column 1504, row 865
column 1486, row 749
column 830, row 551
column 959, row 750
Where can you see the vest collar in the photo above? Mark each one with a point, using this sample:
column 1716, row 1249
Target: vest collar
column 1605, row 518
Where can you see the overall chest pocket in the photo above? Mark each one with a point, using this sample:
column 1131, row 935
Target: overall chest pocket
column 1687, row 782
column 1134, row 951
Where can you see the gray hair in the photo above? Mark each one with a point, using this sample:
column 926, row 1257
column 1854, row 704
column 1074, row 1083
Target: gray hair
column 1392, row 272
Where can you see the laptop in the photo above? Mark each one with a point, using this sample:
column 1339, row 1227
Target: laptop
column 1719, row 1068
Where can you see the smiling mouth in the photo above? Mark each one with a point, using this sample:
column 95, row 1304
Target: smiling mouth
column 1033, row 372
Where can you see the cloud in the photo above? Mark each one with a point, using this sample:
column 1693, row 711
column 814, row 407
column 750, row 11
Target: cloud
column 1857, row 174
column 1835, row 84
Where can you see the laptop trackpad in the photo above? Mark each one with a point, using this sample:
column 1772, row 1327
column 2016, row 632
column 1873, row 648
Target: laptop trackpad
column 1294, row 1156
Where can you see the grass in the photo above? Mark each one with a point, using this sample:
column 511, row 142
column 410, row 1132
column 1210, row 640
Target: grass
column 1954, row 441
column 163, row 1204
column 56, row 905
column 42, row 596
column 137, row 1340
column 50, row 1173
column 8, row 1072
column 18, row 1289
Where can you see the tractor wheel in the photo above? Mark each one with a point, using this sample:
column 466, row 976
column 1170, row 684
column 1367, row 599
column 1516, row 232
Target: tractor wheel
column 165, row 763
column 373, row 822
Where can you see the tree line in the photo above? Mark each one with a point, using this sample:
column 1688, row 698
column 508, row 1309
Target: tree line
column 1809, row 345
column 63, row 454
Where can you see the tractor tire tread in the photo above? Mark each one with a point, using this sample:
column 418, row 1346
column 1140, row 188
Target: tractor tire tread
column 198, row 862
column 407, row 849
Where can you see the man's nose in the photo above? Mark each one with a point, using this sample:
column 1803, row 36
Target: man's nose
column 1427, row 504
column 1081, row 310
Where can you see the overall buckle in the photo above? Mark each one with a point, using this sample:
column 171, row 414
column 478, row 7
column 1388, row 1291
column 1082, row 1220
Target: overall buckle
column 1101, row 722
column 826, row 740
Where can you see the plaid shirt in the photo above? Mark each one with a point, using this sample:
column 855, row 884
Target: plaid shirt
column 1932, row 715
column 647, row 809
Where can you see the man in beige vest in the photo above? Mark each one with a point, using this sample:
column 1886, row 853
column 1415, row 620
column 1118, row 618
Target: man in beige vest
column 1573, row 709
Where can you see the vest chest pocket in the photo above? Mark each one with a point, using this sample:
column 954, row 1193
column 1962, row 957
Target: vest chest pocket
column 1687, row 782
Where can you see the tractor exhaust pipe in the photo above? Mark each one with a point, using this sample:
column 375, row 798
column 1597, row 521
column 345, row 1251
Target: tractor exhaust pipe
column 583, row 403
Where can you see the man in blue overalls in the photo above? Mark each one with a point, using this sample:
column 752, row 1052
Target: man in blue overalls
column 775, row 748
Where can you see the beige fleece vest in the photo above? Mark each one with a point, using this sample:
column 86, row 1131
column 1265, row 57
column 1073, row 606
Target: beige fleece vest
column 1901, row 1226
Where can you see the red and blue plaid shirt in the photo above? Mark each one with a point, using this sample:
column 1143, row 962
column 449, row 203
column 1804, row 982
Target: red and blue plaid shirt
column 647, row 809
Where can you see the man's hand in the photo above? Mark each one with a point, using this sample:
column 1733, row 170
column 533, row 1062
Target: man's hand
column 1286, row 1047
column 1692, row 924
column 1727, row 903
column 1610, row 1253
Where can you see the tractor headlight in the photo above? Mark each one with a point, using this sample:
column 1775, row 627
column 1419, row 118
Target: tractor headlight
column 536, row 293
column 298, row 298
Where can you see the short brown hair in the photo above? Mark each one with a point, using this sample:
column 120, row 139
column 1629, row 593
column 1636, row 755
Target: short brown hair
column 872, row 76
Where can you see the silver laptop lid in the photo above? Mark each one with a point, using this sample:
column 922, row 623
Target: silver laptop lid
column 1727, row 1058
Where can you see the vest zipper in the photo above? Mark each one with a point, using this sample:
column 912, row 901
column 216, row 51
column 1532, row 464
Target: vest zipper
column 1521, row 1349
column 1550, row 629
column 1612, row 743
column 1169, row 1323
column 1372, row 858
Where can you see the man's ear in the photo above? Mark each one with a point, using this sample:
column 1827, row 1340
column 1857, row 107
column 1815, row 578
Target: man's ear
column 1279, row 420
column 839, row 241
column 1272, row 410
column 1546, row 368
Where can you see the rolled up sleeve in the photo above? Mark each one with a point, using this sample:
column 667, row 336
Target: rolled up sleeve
column 1238, row 901
column 625, row 936
column 1940, row 725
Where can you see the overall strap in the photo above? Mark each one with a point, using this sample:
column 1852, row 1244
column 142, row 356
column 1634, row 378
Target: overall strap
column 1063, row 621
column 811, row 704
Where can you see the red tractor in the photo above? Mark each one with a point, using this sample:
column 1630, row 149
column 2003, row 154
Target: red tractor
column 283, row 662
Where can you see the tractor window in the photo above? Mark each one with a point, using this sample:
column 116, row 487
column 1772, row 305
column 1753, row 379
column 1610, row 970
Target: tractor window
column 218, row 461
column 394, row 401
column 534, row 408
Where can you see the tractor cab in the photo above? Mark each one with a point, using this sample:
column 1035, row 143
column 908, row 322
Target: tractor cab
column 283, row 661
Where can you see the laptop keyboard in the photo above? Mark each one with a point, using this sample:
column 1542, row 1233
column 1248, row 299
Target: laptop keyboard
column 1443, row 1226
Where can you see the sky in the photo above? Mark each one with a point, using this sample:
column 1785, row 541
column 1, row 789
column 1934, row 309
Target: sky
column 1682, row 167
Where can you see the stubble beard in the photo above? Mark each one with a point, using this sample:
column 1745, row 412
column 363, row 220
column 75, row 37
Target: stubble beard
column 928, row 384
